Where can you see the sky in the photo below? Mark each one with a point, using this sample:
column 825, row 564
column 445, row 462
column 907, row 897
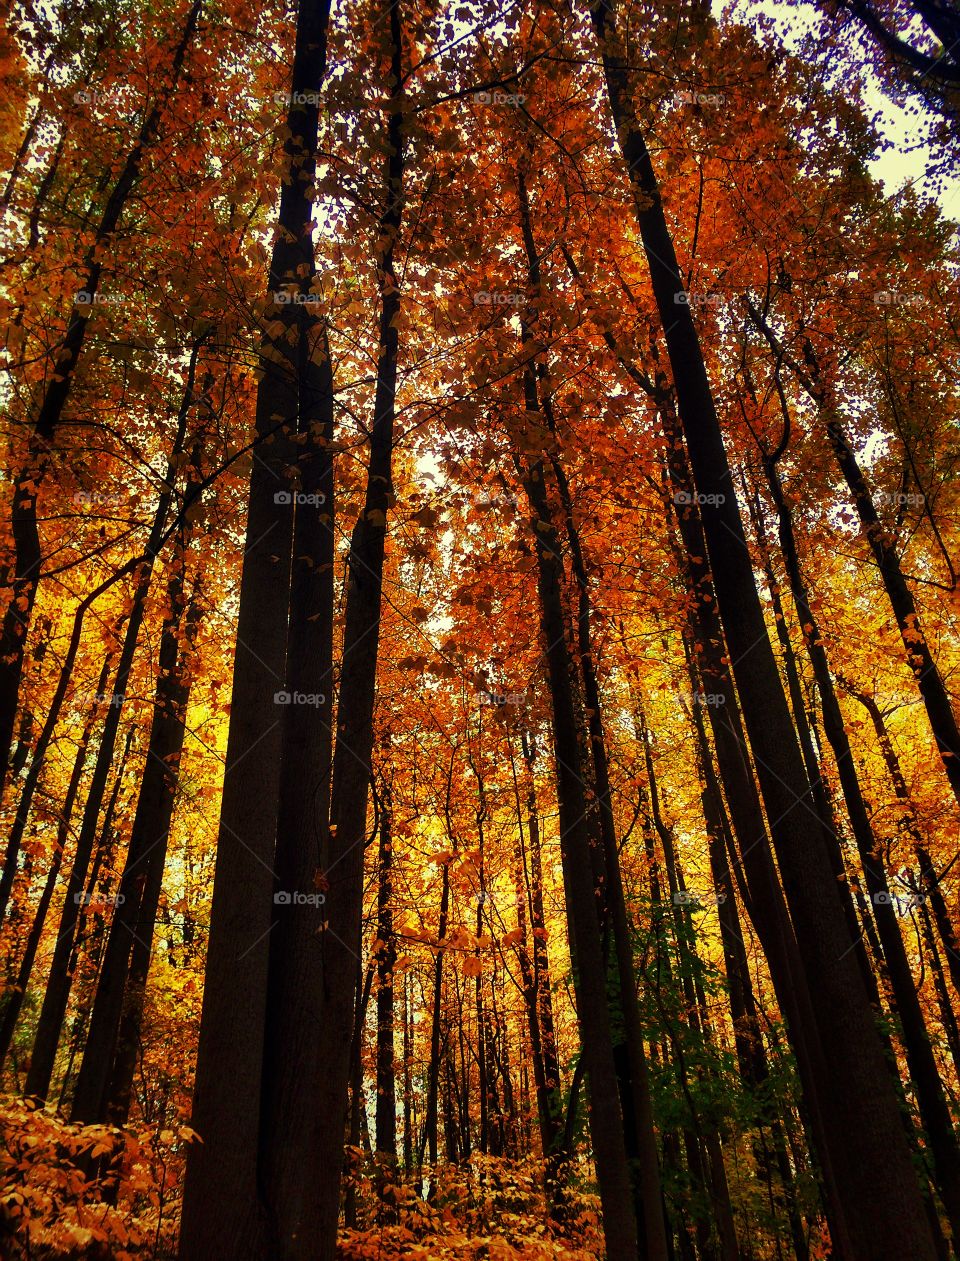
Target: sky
column 909, row 158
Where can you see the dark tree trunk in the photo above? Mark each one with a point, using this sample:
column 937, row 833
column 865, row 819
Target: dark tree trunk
column 15, row 999
column 881, row 1195
column 429, row 1142
column 386, row 1114
column 818, row 786
column 408, row 1118
column 753, row 864
column 24, row 575
column 947, row 1014
column 223, row 1215
column 356, row 1106
column 22, row 818
column 936, row 699
column 292, row 1127
column 546, row 1079
column 929, row 880
column 60, row 976
column 634, row 1086
column 119, row 1088
column 934, row 1110
column 579, row 872
column 146, row 854
column 342, row 865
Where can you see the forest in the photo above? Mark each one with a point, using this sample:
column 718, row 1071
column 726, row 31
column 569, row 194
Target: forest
column 480, row 647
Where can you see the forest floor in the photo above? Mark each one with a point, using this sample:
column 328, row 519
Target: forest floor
column 57, row 1201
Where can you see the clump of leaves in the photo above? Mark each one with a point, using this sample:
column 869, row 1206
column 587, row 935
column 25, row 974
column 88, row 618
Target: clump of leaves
column 487, row 1208
column 89, row 1191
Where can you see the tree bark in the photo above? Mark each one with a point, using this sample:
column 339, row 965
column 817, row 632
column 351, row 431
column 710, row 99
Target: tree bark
column 24, row 575
column 142, row 875
column 880, row 1189
column 15, row 998
column 936, row 699
column 60, row 977
column 223, row 1215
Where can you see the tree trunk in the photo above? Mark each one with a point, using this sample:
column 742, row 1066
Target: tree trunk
column 386, row 1112
column 15, row 998
column 636, row 1107
column 929, row 881
column 222, row 1211
column 922, row 1065
column 25, row 575
column 60, row 976
column 572, row 761
column 146, row 854
column 880, row 1189
column 936, row 699
column 433, row 1068
column 343, row 863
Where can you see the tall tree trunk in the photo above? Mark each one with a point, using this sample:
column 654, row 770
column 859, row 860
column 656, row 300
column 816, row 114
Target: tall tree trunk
column 119, row 1087
column 429, row 1142
column 60, row 977
column 947, row 1015
column 754, row 864
column 408, row 1118
column 929, row 880
column 635, row 1105
column 922, row 1065
column 763, row 897
column 546, row 1080
column 343, row 863
column 222, row 1212
column 22, row 818
column 936, row 699
column 744, row 1015
column 712, row 1172
column 386, row 1111
column 818, row 786
column 291, row 1127
column 23, row 576
column 881, row 1193
column 146, row 852
column 356, row 1106
column 579, row 875
column 15, row 998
